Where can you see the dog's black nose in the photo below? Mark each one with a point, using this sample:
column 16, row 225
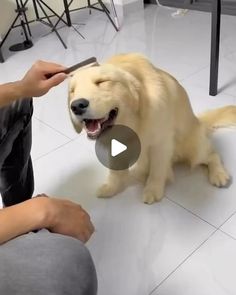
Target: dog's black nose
column 79, row 106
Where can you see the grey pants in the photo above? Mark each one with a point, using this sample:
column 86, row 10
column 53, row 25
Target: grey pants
column 46, row 264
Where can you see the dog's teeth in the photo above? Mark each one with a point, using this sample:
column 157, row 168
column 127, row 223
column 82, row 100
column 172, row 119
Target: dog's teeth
column 104, row 119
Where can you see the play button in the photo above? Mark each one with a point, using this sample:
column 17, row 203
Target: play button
column 118, row 148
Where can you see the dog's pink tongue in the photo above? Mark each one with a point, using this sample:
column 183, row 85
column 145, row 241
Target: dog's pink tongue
column 93, row 125
column 93, row 128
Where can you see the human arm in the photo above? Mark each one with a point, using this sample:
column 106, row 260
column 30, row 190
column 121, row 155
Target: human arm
column 58, row 216
column 34, row 84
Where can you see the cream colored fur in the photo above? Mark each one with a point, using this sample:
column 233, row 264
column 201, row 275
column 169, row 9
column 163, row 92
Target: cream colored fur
column 157, row 108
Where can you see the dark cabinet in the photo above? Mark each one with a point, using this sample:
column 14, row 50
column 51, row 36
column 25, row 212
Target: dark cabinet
column 228, row 7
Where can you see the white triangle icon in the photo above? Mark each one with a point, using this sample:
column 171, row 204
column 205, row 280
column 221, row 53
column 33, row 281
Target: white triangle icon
column 117, row 147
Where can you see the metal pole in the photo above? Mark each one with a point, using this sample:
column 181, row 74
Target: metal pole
column 215, row 46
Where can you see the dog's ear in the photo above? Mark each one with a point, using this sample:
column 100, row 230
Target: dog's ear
column 76, row 123
column 133, row 84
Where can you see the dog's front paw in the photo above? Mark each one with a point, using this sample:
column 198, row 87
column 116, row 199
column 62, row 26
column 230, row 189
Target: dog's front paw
column 149, row 197
column 106, row 191
column 220, row 178
column 171, row 176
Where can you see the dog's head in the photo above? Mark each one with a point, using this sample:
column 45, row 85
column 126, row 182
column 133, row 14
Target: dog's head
column 100, row 97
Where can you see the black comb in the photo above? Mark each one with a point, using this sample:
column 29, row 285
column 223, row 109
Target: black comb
column 69, row 70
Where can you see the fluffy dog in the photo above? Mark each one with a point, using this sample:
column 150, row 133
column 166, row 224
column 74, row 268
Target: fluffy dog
column 129, row 90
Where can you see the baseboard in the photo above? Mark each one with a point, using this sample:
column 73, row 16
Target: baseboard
column 133, row 7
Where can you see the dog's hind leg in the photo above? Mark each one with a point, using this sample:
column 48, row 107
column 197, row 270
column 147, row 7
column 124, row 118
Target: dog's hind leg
column 217, row 174
column 204, row 154
column 199, row 151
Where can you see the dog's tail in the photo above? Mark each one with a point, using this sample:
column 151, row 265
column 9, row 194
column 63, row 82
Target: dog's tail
column 219, row 118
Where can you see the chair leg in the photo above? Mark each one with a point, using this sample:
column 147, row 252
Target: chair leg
column 215, row 44
column 41, row 5
column 67, row 12
column 108, row 14
column 115, row 14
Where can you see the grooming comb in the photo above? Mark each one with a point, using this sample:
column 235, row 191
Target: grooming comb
column 92, row 61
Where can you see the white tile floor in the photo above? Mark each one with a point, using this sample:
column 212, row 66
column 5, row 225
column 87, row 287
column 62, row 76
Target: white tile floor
column 185, row 244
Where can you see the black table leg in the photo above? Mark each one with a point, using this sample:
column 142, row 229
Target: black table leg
column 67, row 12
column 1, row 56
column 215, row 44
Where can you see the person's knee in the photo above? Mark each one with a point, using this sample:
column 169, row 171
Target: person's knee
column 71, row 266
column 53, row 264
column 77, row 266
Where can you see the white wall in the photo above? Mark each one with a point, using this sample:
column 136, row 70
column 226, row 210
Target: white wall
column 7, row 13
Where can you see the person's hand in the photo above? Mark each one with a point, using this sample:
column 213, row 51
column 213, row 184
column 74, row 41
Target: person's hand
column 35, row 83
column 68, row 218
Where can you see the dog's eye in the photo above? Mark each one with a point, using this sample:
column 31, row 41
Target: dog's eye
column 100, row 82
column 72, row 90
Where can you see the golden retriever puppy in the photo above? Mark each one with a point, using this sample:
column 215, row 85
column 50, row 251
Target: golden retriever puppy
column 129, row 90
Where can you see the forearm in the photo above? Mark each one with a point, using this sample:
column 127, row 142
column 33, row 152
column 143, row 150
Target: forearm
column 34, row 84
column 10, row 92
column 22, row 218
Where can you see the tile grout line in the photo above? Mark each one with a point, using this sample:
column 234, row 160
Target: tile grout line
column 229, row 53
column 229, row 94
column 229, row 235
column 192, row 213
column 216, row 230
column 195, row 72
column 227, row 219
column 53, row 150
column 52, row 128
column 173, row 271
column 202, row 87
column 188, row 210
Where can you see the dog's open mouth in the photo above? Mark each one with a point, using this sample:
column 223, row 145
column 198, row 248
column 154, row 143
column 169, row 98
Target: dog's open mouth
column 94, row 127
